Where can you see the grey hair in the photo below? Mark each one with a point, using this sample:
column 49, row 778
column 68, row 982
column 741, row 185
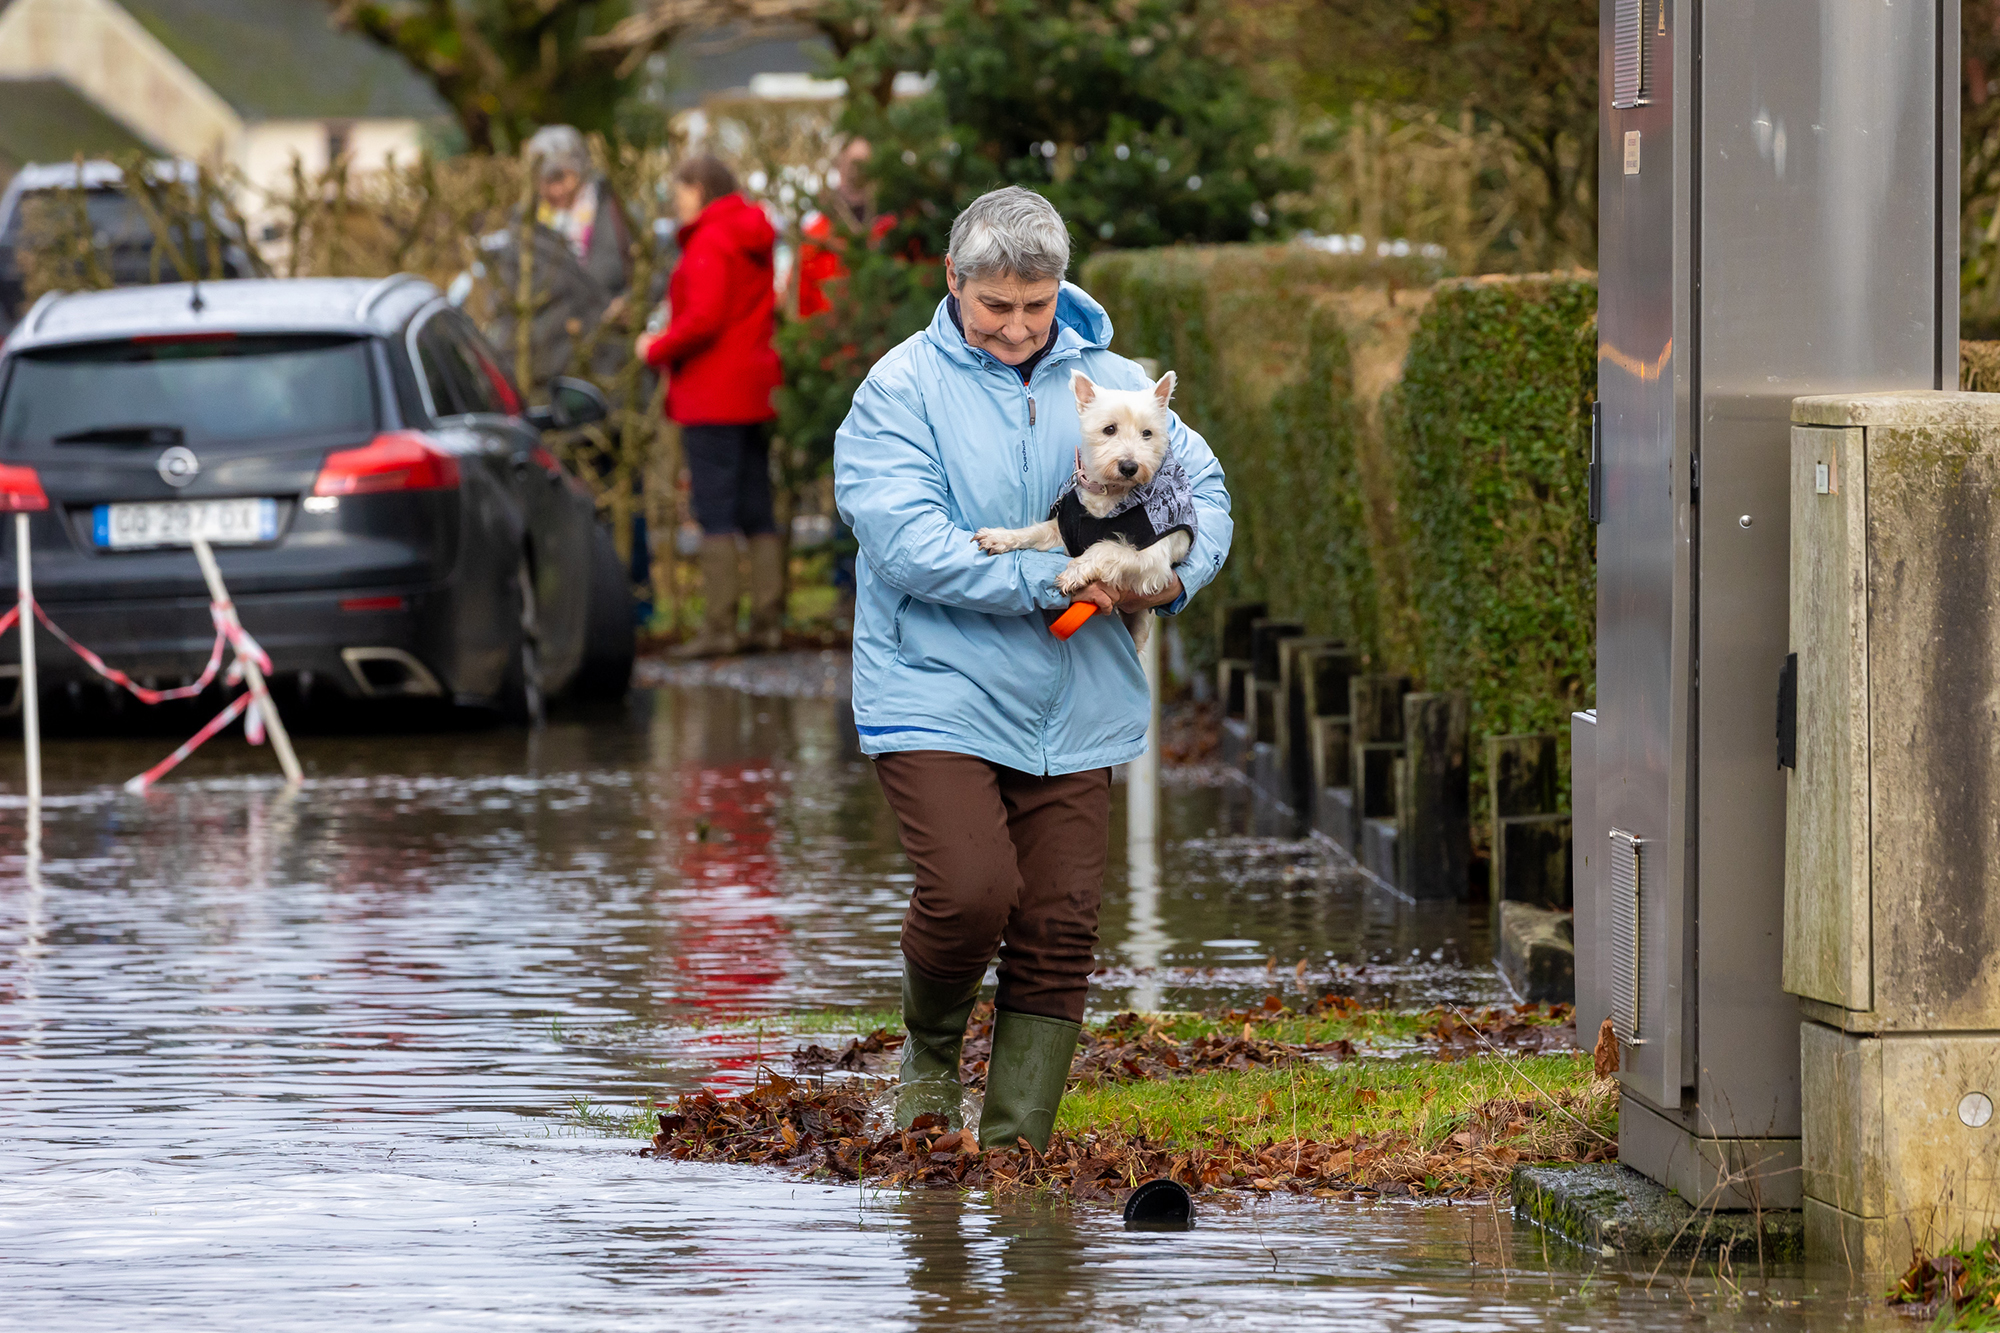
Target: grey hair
column 555, row 149
column 1010, row 231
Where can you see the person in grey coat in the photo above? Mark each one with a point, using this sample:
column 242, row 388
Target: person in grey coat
column 581, row 250
column 577, row 204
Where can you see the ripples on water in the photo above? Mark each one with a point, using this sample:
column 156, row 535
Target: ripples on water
column 268, row 1059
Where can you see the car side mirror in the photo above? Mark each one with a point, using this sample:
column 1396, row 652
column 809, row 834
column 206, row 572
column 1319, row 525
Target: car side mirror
column 572, row 403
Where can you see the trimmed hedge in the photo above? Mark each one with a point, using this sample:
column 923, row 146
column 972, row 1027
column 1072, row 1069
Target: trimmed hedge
column 1274, row 348
column 1407, row 457
column 1490, row 433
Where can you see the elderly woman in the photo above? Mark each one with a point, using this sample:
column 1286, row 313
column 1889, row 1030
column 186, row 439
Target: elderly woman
column 992, row 739
column 577, row 204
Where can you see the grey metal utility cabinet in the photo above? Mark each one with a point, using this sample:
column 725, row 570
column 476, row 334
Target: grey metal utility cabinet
column 1778, row 212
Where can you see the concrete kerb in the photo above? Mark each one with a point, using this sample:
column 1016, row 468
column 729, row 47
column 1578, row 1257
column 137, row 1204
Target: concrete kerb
column 1608, row 1208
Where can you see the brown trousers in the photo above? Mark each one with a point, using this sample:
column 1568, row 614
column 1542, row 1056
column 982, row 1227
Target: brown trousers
column 1006, row 861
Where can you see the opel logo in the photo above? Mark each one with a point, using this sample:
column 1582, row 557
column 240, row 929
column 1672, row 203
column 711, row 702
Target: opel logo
column 178, row 466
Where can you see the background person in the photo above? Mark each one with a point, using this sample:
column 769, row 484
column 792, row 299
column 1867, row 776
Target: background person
column 721, row 368
column 992, row 739
column 849, row 211
column 580, row 253
column 576, row 203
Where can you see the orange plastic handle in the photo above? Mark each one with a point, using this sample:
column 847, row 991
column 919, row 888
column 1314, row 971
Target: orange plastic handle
column 1070, row 621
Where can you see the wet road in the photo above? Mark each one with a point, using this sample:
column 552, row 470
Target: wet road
column 270, row 1058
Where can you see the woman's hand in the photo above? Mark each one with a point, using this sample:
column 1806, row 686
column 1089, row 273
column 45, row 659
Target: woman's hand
column 1097, row 595
column 640, row 344
column 1110, row 599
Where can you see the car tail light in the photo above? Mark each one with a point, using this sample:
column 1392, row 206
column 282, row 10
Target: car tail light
column 399, row 461
column 371, row 603
column 21, row 491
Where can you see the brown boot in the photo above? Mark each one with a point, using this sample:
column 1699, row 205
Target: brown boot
column 718, row 593
column 767, row 593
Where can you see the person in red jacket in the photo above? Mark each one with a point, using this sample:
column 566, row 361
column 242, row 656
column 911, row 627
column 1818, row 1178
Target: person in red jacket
column 720, row 366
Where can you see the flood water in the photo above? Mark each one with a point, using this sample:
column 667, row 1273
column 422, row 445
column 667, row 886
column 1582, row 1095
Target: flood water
column 268, row 1059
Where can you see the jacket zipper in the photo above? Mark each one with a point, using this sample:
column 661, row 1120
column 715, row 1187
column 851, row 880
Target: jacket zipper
column 1031, row 426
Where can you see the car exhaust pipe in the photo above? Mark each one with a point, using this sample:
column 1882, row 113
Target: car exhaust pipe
column 390, row 673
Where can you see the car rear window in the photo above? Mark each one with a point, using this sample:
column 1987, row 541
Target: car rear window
column 211, row 390
column 114, row 218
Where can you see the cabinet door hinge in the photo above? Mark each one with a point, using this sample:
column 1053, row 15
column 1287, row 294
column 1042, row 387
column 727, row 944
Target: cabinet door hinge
column 1595, row 481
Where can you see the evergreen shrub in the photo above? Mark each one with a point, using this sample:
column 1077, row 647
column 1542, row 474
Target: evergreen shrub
column 1489, row 433
column 1407, row 459
column 1266, row 342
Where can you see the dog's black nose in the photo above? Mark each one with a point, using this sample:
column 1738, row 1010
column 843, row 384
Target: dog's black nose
column 1127, row 468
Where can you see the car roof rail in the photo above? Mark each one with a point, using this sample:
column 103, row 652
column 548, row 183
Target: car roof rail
column 40, row 310
column 379, row 290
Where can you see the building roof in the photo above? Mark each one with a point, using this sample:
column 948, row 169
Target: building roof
column 46, row 120
column 284, row 59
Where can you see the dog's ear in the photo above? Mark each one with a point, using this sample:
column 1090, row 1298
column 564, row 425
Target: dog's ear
column 1086, row 388
column 1164, row 389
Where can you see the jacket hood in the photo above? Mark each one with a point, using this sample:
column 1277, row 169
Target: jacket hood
column 737, row 223
column 1080, row 322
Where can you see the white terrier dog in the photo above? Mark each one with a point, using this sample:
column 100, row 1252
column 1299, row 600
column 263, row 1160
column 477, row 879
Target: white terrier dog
column 1127, row 515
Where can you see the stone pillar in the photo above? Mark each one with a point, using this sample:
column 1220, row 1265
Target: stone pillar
column 1294, row 733
column 1892, row 924
column 1375, row 707
column 1434, row 806
column 1530, row 831
column 1328, row 738
column 1232, row 670
column 1530, row 884
column 1375, row 710
column 1260, row 701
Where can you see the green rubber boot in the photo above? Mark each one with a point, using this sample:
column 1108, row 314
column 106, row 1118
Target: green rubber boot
column 1024, row 1078
column 934, row 1014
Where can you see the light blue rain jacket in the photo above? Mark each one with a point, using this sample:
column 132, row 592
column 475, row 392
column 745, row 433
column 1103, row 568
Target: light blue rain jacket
column 951, row 647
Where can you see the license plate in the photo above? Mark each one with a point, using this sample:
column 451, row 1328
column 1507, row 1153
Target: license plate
column 179, row 522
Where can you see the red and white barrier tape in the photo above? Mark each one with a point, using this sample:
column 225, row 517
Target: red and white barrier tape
column 140, row 692
column 239, row 638
column 137, row 786
column 227, row 630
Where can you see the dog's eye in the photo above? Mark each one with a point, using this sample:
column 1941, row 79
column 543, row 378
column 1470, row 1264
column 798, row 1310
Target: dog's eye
column 1113, row 430
column 1148, row 434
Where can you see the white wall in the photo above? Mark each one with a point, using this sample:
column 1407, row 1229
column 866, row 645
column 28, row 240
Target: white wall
column 269, row 148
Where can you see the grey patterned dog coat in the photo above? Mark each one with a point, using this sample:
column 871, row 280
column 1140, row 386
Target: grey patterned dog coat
column 1163, row 506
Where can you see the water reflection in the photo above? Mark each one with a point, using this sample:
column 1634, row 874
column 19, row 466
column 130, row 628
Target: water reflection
column 268, row 1057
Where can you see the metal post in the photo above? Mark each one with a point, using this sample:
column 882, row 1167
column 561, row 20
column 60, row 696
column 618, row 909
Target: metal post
column 1147, row 939
column 280, row 740
column 31, row 707
column 1142, row 776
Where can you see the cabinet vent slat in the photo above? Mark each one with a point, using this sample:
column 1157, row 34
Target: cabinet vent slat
column 1628, row 878
column 1628, row 54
